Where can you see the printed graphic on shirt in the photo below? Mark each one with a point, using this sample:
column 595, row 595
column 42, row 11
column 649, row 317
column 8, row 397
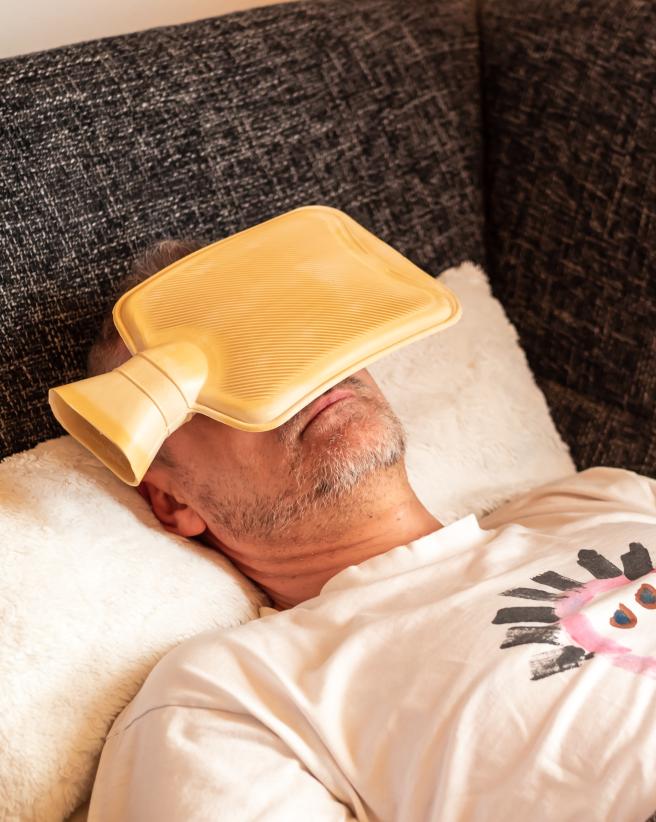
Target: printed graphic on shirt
column 612, row 615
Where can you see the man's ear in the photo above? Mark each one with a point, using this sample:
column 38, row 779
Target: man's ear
column 175, row 516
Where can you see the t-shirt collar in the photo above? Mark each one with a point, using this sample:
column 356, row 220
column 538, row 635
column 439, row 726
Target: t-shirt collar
column 427, row 549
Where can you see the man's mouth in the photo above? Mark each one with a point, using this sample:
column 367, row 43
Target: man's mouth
column 323, row 402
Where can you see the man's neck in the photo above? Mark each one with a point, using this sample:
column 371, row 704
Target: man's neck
column 296, row 565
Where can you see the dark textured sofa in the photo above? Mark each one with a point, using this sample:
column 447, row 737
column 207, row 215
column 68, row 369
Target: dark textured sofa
column 519, row 136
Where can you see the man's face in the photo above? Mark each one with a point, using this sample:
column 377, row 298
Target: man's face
column 257, row 486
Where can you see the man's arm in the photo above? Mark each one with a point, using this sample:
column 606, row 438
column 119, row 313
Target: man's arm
column 186, row 764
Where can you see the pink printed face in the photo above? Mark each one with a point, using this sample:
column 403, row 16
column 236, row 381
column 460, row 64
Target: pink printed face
column 614, row 617
column 611, row 616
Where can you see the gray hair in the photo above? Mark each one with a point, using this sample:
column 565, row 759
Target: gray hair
column 108, row 350
column 107, row 353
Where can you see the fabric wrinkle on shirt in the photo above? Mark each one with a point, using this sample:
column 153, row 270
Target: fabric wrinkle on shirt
column 472, row 674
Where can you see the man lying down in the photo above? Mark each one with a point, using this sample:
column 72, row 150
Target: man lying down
column 501, row 669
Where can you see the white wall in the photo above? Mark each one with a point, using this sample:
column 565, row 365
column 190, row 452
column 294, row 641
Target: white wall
column 33, row 25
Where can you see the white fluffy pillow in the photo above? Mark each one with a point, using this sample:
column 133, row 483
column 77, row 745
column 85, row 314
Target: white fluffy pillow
column 479, row 429
column 93, row 592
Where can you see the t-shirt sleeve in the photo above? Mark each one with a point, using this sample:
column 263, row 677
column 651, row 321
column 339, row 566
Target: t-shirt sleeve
column 185, row 764
column 595, row 490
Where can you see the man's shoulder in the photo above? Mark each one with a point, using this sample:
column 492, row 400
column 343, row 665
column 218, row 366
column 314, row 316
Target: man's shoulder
column 584, row 492
column 199, row 672
column 604, row 483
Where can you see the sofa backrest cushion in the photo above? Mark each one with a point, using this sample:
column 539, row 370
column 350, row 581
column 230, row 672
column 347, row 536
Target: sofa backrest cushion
column 207, row 128
column 570, row 183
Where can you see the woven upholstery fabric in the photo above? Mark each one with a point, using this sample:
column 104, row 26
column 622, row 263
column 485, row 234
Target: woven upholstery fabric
column 207, row 128
column 569, row 114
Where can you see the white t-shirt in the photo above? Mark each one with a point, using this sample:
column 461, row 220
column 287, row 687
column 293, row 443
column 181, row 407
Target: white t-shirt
column 502, row 670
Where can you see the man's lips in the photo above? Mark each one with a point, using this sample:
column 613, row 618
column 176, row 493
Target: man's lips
column 324, row 401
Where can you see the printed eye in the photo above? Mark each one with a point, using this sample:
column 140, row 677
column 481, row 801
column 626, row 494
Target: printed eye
column 623, row 618
column 646, row 595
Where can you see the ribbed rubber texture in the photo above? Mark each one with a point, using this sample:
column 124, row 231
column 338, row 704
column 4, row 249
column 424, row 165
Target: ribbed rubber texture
column 282, row 309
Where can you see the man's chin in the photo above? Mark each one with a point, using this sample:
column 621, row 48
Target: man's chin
column 352, row 446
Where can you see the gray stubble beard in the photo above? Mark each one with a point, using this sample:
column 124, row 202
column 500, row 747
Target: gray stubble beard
column 339, row 471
